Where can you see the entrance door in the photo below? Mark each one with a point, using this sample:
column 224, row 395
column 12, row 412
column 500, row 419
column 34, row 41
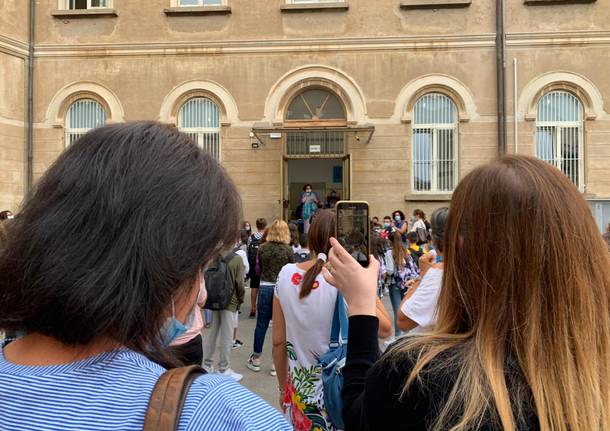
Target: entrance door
column 347, row 177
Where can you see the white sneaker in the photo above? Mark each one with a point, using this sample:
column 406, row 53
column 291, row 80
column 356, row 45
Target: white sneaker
column 273, row 372
column 230, row 373
column 208, row 368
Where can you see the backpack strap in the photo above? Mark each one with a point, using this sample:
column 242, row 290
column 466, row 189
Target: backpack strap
column 340, row 323
column 167, row 399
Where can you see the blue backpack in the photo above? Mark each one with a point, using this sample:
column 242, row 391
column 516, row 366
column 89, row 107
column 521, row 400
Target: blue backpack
column 332, row 363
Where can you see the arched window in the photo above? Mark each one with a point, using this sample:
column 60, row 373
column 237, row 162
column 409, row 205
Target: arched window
column 315, row 105
column 434, row 144
column 559, row 137
column 199, row 117
column 82, row 116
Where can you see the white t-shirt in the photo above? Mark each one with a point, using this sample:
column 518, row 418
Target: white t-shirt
column 419, row 224
column 308, row 325
column 244, row 258
column 421, row 307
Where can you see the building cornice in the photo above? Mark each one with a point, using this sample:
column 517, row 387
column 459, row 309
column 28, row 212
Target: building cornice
column 423, row 42
column 13, row 47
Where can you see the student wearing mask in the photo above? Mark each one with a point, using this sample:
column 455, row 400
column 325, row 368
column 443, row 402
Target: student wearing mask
column 105, row 300
column 512, row 347
column 310, row 202
column 253, row 246
column 400, row 224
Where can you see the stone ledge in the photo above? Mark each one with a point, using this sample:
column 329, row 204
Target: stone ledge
column 434, row 4
column 314, row 7
column 429, row 197
column 555, row 2
column 198, row 10
column 83, row 13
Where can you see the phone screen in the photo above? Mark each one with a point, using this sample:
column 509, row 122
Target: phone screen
column 353, row 229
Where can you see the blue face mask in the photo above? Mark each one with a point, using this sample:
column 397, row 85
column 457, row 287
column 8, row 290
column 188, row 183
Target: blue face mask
column 172, row 328
column 397, row 218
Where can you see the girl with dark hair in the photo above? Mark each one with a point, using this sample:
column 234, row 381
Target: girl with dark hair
column 303, row 309
column 120, row 228
column 294, row 237
column 522, row 336
column 310, row 202
column 417, row 312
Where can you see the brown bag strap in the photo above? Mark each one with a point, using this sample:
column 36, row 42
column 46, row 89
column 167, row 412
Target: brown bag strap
column 167, row 399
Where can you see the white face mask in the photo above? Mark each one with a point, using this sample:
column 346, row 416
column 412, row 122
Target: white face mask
column 10, row 217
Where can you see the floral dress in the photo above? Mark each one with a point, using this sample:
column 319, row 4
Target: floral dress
column 308, row 325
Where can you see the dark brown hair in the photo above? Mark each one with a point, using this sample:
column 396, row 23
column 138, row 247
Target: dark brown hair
column 318, row 239
column 119, row 225
column 419, row 213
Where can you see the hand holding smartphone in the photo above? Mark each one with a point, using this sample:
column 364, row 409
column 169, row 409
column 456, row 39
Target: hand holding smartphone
column 353, row 230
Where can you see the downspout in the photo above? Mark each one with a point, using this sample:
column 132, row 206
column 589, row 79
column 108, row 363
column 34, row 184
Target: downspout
column 515, row 107
column 500, row 77
column 30, row 103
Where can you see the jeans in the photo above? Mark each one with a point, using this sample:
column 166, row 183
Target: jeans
column 396, row 295
column 264, row 311
column 223, row 324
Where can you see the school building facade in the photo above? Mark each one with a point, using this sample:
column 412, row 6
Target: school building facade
column 389, row 101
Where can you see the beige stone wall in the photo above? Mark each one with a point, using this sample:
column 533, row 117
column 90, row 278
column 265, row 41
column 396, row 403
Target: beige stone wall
column 142, row 55
column 13, row 49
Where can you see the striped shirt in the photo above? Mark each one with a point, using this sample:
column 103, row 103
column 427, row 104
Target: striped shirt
column 110, row 391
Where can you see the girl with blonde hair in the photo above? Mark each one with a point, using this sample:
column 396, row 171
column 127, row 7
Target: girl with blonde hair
column 272, row 256
column 522, row 337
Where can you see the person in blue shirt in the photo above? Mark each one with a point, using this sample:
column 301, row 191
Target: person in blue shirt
column 400, row 224
column 102, row 271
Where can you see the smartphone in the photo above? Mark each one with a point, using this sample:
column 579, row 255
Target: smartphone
column 353, row 229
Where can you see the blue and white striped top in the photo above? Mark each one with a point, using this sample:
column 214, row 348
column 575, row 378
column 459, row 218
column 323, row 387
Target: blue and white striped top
column 111, row 391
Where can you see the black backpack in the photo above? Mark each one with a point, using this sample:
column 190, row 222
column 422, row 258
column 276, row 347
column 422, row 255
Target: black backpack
column 301, row 256
column 218, row 283
column 252, row 252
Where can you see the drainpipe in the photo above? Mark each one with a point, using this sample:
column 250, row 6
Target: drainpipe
column 500, row 77
column 515, row 107
column 30, row 103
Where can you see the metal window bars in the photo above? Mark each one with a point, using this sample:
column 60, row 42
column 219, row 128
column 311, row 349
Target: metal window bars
column 308, row 143
column 199, row 117
column 434, row 144
column 559, row 134
column 82, row 116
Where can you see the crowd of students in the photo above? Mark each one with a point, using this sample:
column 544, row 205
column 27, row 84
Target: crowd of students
column 497, row 324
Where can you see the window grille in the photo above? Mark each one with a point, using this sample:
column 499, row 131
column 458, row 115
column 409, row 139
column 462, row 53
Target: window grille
column 559, row 134
column 434, row 144
column 322, row 144
column 82, row 116
column 87, row 4
column 200, row 119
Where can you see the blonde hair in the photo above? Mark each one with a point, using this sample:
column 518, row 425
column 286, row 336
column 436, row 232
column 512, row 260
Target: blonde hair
column 278, row 232
column 526, row 329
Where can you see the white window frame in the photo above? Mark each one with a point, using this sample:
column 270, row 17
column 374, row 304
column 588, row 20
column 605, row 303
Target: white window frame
column 74, row 131
column 313, row 1
column 199, row 133
column 200, row 3
column 558, row 126
column 435, row 128
column 65, row 5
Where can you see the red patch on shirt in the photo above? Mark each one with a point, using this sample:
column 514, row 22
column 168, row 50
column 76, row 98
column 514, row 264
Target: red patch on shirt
column 296, row 278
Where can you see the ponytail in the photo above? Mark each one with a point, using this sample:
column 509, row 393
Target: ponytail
column 310, row 278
